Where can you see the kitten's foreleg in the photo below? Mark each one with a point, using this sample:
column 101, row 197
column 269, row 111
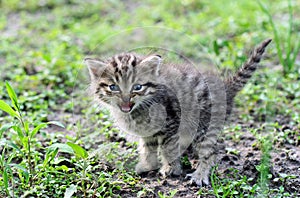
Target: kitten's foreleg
column 170, row 156
column 148, row 158
column 207, row 152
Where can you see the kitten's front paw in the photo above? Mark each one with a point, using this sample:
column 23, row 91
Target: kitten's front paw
column 174, row 169
column 142, row 168
column 198, row 179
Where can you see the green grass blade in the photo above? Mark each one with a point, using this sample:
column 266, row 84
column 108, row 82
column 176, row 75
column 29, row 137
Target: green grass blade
column 276, row 35
column 19, row 132
column 25, row 142
column 296, row 50
column 42, row 125
column 13, row 96
column 19, row 167
column 23, row 170
column 213, row 179
column 5, row 179
column 50, row 155
column 56, row 123
column 36, row 129
column 26, row 127
column 289, row 47
column 8, row 143
column 5, row 107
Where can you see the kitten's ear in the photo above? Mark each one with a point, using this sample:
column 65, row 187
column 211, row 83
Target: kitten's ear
column 152, row 62
column 95, row 66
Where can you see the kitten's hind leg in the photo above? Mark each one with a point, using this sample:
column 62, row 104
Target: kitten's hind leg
column 148, row 158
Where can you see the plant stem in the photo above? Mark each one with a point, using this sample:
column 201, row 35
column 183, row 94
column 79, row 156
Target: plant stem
column 29, row 162
column 84, row 175
column 29, row 148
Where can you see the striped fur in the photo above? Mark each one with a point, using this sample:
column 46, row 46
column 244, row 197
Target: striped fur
column 168, row 106
column 238, row 81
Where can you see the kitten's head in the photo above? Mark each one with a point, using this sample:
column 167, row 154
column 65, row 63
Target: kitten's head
column 124, row 81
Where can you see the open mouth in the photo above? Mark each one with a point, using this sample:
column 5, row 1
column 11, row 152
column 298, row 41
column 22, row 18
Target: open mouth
column 126, row 107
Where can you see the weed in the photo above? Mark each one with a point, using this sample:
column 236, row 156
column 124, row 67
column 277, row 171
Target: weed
column 25, row 135
column 167, row 195
column 236, row 187
column 287, row 54
column 264, row 166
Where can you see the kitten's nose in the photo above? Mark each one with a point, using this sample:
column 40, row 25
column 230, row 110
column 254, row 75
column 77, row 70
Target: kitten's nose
column 126, row 99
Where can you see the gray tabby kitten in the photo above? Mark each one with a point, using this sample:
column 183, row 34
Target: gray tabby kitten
column 168, row 106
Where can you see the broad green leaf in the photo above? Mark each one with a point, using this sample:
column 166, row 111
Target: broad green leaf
column 5, row 107
column 13, row 96
column 36, row 129
column 64, row 148
column 56, row 123
column 78, row 150
column 70, row 191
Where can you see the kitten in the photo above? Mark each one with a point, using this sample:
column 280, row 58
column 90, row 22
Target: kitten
column 168, row 106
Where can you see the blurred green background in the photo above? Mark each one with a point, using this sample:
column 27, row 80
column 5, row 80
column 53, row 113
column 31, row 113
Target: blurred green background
column 43, row 44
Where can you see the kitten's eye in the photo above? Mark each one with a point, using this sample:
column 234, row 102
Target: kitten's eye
column 137, row 87
column 114, row 87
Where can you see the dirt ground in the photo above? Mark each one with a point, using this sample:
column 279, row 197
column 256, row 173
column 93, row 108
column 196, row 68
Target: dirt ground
column 284, row 158
column 238, row 156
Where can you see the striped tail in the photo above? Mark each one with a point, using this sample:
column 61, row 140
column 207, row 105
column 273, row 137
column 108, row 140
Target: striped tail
column 241, row 77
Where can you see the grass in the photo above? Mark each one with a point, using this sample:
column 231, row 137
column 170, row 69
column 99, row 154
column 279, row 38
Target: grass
column 43, row 44
column 288, row 48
